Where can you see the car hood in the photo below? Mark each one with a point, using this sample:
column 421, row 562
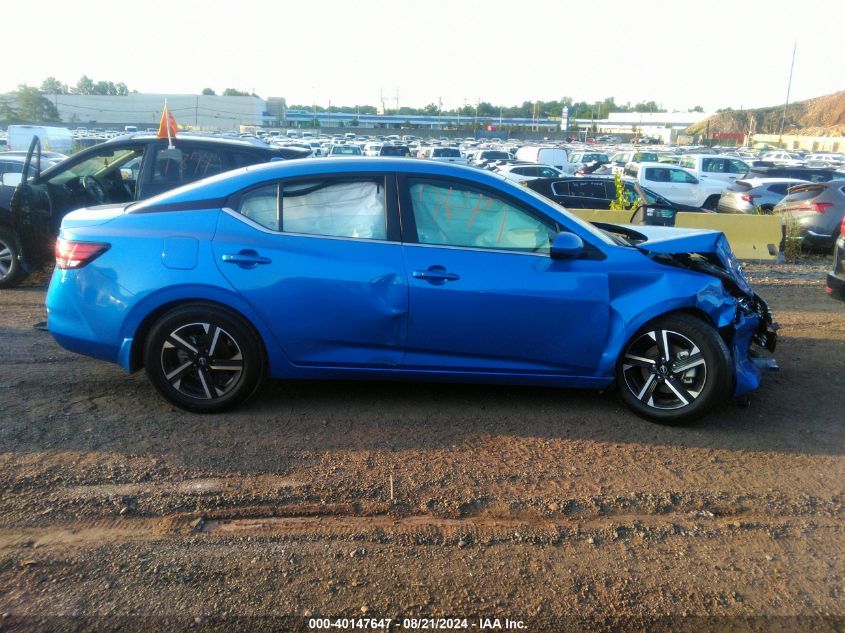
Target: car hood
column 91, row 216
column 701, row 250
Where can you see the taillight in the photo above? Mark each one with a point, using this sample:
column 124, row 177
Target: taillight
column 747, row 197
column 842, row 228
column 820, row 207
column 70, row 254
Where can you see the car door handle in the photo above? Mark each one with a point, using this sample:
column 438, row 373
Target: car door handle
column 246, row 259
column 436, row 274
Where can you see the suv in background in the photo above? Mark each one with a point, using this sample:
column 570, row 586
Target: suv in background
column 395, row 150
column 522, row 172
column 446, row 154
column 817, row 209
column 801, row 173
column 724, row 168
column 676, row 184
column 597, row 192
column 620, row 159
column 747, row 196
column 124, row 169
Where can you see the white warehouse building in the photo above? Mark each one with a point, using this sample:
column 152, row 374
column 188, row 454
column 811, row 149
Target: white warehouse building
column 207, row 112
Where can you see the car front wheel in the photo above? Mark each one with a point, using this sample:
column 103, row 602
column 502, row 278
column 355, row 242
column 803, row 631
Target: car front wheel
column 11, row 272
column 203, row 358
column 674, row 370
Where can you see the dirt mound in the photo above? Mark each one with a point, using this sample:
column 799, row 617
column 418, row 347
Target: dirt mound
column 816, row 117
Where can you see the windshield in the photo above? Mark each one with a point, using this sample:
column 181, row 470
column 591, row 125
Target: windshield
column 100, row 164
column 346, row 149
column 394, row 150
column 446, row 152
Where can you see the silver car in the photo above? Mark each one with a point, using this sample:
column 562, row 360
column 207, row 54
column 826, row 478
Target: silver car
column 753, row 194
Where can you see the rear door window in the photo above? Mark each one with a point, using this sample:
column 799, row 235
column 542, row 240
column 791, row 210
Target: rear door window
column 657, row 174
column 352, row 208
column 588, row 189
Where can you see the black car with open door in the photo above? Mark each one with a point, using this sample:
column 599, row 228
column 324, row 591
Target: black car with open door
column 121, row 170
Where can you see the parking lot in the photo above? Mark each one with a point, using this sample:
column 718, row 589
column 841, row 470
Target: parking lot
column 391, row 500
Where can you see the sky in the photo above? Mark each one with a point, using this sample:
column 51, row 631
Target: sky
column 679, row 53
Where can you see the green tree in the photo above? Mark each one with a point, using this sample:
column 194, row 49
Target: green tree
column 34, row 106
column 8, row 114
column 232, row 92
column 121, row 89
column 697, row 108
column 85, row 86
column 209, row 92
column 103, row 88
column 53, row 86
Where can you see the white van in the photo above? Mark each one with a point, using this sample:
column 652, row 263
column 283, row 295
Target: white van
column 554, row 156
column 53, row 139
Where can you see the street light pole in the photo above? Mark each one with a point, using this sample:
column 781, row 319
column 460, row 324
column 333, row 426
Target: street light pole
column 788, row 89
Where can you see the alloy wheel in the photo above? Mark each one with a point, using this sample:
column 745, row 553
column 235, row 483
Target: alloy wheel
column 6, row 259
column 201, row 361
column 664, row 369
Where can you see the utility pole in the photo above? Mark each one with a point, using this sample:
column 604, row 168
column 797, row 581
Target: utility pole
column 788, row 89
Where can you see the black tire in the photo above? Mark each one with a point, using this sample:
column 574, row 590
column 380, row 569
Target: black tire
column 204, row 358
column 11, row 271
column 712, row 203
column 670, row 390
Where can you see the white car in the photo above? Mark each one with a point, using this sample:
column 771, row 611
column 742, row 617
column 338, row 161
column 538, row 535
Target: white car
column 372, row 149
column 787, row 159
column 445, row 154
column 713, row 166
column 620, row 159
column 554, row 156
column 522, row 173
column 677, row 184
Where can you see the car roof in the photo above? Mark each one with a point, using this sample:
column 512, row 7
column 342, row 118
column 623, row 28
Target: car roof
column 223, row 185
column 202, row 138
column 770, row 181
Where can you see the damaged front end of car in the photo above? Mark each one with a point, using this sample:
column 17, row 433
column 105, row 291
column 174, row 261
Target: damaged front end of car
column 752, row 332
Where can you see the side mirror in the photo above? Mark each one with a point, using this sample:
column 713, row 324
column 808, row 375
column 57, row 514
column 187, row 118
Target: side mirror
column 566, row 246
column 11, row 179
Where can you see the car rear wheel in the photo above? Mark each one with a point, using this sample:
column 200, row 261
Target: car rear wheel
column 11, row 272
column 674, row 370
column 203, row 358
column 711, row 204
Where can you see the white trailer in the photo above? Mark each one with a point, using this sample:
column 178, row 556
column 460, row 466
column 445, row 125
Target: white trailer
column 53, row 139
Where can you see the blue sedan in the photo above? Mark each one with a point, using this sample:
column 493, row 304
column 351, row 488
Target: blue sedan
column 389, row 268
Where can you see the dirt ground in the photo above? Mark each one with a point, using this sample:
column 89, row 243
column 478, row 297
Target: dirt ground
column 556, row 509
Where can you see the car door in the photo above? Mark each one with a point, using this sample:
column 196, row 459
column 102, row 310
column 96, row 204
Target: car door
column 685, row 189
column 484, row 294
column 320, row 261
column 91, row 177
column 660, row 180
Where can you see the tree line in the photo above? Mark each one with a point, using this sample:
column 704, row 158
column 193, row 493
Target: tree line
column 31, row 104
column 528, row 109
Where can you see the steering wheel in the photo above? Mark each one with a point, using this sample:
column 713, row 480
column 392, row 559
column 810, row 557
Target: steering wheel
column 94, row 188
